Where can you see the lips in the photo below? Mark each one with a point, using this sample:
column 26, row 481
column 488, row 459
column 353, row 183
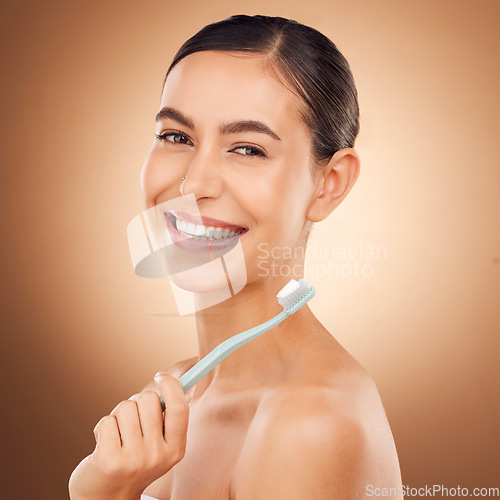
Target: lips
column 200, row 233
column 194, row 224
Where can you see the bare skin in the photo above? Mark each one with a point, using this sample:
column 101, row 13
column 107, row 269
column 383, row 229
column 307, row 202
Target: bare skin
column 240, row 441
column 291, row 414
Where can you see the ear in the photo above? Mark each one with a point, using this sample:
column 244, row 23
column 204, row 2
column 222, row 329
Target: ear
column 334, row 181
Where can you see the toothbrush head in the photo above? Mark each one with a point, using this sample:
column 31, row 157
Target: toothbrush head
column 294, row 295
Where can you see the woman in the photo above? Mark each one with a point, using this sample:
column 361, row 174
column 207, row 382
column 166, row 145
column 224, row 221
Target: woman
column 258, row 119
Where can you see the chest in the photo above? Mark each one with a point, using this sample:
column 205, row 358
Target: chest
column 215, row 439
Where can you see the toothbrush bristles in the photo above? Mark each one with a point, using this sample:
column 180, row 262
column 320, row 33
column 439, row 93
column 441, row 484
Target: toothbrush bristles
column 293, row 292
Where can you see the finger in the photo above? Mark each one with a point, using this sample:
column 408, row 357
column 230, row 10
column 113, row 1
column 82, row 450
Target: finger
column 150, row 414
column 176, row 412
column 107, row 434
column 129, row 425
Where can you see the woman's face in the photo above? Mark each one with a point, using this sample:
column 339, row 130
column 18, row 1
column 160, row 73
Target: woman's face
column 235, row 134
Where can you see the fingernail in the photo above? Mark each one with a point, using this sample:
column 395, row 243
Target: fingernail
column 158, row 375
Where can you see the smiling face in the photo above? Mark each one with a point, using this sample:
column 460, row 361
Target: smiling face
column 234, row 132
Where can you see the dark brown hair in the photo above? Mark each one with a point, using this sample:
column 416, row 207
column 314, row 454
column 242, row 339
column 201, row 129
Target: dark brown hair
column 308, row 61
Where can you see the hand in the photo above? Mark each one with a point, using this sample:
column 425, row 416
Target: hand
column 135, row 445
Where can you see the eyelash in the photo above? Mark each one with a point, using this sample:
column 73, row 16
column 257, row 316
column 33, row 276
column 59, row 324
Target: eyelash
column 163, row 137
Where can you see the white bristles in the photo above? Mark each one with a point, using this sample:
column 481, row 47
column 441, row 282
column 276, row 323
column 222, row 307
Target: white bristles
column 293, row 292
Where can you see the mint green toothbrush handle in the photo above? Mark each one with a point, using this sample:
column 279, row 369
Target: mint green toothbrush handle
column 222, row 351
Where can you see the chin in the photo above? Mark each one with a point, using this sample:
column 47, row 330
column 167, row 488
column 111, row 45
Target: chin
column 200, row 279
column 207, row 284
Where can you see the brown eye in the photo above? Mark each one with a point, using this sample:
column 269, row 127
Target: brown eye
column 250, row 151
column 176, row 137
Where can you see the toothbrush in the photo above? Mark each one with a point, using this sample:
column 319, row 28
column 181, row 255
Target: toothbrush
column 291, row 297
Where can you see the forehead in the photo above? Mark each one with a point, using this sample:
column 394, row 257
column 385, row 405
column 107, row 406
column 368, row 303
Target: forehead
column 224, row 86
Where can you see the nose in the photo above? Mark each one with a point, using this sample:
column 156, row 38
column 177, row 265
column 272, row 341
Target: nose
column 203, row 177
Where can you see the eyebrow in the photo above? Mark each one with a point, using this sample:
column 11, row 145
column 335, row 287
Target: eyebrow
column 225, row 128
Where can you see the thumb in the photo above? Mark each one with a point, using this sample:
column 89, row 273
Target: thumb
column 171, row 389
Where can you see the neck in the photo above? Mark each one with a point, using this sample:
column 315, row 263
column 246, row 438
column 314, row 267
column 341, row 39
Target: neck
column 262, row 360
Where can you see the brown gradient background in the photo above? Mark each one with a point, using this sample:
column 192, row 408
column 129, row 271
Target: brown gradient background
column 81, row 83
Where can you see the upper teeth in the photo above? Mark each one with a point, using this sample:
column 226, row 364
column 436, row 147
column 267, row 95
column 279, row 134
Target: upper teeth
column 201, row 232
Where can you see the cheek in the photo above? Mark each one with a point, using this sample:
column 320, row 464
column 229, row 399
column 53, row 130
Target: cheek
column 159, row 177
column 278, row 201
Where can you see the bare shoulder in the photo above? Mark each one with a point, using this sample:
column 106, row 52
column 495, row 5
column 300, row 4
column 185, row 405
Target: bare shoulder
column 176, row 370
column 328, row 439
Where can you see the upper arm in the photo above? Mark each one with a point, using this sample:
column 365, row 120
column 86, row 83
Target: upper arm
column 302, row 456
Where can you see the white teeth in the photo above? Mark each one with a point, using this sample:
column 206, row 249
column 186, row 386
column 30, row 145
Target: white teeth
column 201, row 232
